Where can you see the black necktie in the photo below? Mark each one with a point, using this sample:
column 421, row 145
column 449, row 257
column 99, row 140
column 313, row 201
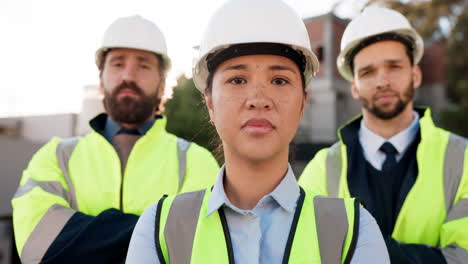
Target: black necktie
column 390, row 151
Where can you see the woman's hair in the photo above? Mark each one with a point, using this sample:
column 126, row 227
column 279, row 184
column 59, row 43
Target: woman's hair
column 215, row 142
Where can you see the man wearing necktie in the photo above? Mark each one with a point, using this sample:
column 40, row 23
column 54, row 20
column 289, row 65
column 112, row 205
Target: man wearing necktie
column 79, row 199
column 411, row 175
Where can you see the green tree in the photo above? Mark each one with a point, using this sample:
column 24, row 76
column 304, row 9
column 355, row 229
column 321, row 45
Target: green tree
column 187, row 116
column 446, row 21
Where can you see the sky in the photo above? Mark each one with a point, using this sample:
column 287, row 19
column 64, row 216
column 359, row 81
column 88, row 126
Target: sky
column 47, row 47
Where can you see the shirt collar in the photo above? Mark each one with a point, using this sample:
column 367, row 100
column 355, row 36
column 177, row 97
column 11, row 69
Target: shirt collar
column 285, row 194
column 112, row 128
column 372, row 142
column 145, row 127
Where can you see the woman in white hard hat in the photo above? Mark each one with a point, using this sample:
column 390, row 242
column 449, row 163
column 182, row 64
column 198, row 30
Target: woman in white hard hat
column 253, row 73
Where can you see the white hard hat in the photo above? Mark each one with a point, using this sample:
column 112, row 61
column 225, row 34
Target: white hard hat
column 375, row 21
column 134, row 32
column 253, row 21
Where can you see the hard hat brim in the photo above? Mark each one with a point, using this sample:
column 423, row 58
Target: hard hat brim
column 344, row 65
column 200, row 70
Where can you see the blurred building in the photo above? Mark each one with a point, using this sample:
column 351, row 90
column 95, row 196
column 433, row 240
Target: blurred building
column 21, row 136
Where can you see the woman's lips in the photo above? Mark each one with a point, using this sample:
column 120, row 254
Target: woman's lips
column 258, row 126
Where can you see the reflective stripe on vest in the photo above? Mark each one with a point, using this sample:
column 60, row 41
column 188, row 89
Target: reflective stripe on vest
column 66, row 147
column 331, row 220
column 63, row 152
column 182, row 148
column 441, row 168
column 333, row 169
column 52, row 187
column 453, row 168
column 456, row 210
column 180, row 226
column 45, row 232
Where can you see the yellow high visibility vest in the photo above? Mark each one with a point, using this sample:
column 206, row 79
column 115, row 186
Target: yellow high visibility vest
column 434, row 211
column 323, row 230
column 66, row 176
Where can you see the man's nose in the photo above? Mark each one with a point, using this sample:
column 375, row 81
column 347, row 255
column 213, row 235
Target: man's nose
column 129, row 73
column 382, row 79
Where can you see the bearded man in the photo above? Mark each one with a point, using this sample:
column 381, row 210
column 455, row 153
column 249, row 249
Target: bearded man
column 79, row 199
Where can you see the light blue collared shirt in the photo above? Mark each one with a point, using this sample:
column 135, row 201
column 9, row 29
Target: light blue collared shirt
column 371, row 142
column 112, row 128
column 259, row 235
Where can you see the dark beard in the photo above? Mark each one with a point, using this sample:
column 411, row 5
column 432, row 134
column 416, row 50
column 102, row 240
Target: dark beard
column 401, row 104
column 130, row 110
